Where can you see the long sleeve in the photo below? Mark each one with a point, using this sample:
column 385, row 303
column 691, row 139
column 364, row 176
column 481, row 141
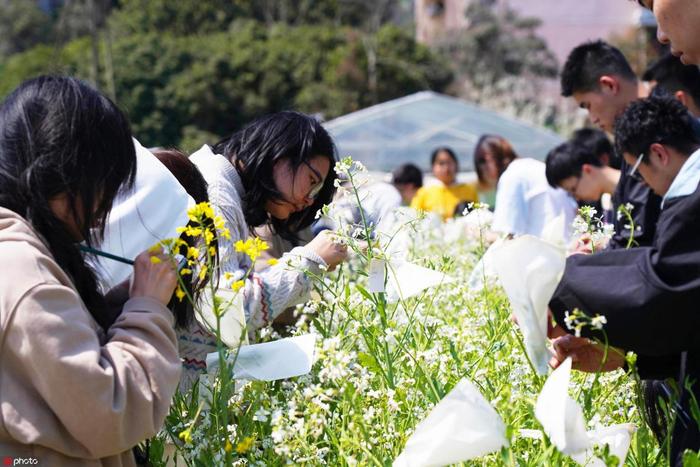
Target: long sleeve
column 511, row 214
column 267, row 293
column 70, row 393
column 649, row 295
column 646, row 208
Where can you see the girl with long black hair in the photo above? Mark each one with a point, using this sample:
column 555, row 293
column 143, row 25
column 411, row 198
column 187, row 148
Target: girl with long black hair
column 279, row 171
column 78, row 385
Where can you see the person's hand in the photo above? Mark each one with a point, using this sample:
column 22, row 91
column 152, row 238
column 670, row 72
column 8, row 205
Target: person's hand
column 154, row 278
column 582, row 245
column 553, row 329
column 585, row 354
column 327, row 246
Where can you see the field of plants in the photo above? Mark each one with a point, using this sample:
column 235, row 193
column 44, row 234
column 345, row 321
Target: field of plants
column 389, row 347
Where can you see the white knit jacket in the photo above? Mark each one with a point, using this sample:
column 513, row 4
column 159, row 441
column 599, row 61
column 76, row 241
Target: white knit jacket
column 266, row 294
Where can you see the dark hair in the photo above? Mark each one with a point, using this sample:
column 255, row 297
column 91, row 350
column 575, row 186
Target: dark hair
column 255, row 150
column 60, row 136
column 672, row 76
column 446, row 150
column 655, row 120
column 191, row 179
column 567, row 160
column 597, row 142
column 501, row 150
column 588, row 62
column 407, row 174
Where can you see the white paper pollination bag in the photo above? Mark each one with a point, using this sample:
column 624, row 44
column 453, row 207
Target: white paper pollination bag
column 460, row 427
column 151, row 212
column 563, row 421
column 529, row 270
column 270, row 361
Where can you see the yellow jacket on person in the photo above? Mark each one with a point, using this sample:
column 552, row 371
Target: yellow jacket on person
column 443, row 200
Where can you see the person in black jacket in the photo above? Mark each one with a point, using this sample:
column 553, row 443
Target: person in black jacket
column 652, row 309
column 601, row 81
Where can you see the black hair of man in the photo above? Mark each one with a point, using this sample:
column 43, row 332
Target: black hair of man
column 671, row 75
column 407, row 174
column 598, row 142
column 588, row 62
column 661, row 120
column 567, row 160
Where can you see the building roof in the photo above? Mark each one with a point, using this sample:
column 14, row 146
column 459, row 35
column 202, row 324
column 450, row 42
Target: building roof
column 408, row 129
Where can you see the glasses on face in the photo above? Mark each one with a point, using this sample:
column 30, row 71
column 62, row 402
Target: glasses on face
column 316, row 188
column 633, row 170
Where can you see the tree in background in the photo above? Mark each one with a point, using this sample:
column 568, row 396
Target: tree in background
column 192, row 71
column 500, row 62
column 22, row 26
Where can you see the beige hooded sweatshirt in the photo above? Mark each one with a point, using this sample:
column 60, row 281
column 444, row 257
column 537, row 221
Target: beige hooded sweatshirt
column 69, row 394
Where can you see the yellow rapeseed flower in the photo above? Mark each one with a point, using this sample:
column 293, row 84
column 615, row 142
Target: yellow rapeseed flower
column 251, row 247
column 236, row 286
column 272, row 261
column 208, row 236
column 200, row 211
column 228, row 447
column 185, row 271
column 155, row 260
column 245, row 445
column 179, row 293
column 186, row 436
column 192, row 252
column 203, row 272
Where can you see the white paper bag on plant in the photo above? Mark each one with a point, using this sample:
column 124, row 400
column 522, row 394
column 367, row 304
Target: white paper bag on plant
column 151, row 212
column 232, row 322
column 564, row 423
column 405, row 280
column 560, row 415
column 460, row 427
column 270, row 361
column 618, row 437
column 555, row 231
column 529, row 270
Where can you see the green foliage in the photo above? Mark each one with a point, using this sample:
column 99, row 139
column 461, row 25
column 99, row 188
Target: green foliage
column 497, row 45
column 41, row 59
column 192, row 72
column 22, row 25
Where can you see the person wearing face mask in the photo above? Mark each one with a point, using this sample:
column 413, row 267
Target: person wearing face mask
column 444, row 197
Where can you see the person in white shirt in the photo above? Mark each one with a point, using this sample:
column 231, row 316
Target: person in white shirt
column 526, row 204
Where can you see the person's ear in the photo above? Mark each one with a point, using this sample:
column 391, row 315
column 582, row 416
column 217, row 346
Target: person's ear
column 682, row 97
column 609, row 84
column 586, row 169
column 661, row 152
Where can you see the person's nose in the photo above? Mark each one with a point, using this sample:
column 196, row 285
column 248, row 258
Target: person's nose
column 661, row 36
